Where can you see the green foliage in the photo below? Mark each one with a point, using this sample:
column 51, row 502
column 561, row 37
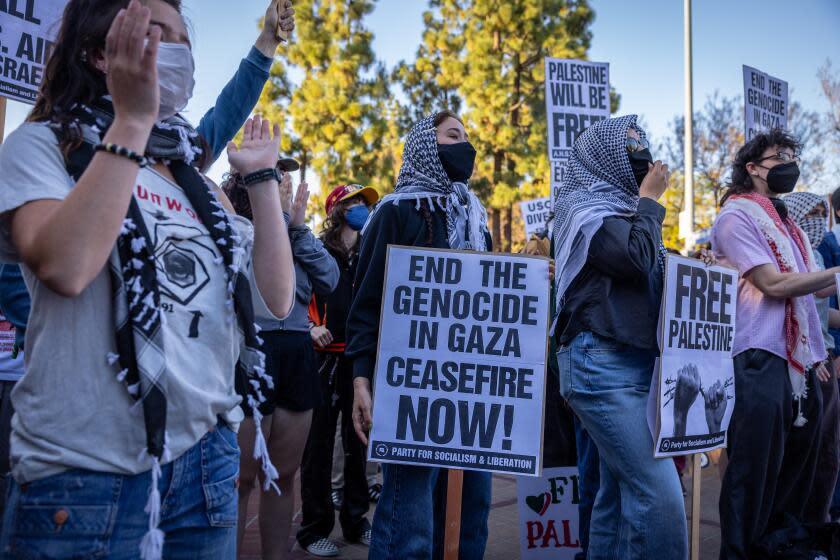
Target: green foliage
column 338, row 115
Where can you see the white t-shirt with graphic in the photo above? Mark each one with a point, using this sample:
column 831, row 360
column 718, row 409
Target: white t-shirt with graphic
column 71, row 412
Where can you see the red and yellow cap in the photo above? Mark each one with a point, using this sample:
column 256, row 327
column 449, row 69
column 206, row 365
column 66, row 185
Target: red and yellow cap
column 343, row 192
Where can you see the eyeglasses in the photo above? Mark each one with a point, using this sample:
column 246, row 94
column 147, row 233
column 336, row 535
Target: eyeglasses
column 784, row 157
column 636, row 145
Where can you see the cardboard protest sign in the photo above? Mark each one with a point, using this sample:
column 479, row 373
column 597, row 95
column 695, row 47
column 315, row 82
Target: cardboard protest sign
column 27, row 33
column 577, row 94
column 460, row 368
column 548, row 514
column 765, row 102
column 535, row 215
column 558, row 171
column 695, row 389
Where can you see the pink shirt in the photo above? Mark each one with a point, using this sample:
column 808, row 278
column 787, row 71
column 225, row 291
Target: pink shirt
column 760, row 322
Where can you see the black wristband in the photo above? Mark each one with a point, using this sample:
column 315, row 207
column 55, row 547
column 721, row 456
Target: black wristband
column 261, row 176
column 122, row 151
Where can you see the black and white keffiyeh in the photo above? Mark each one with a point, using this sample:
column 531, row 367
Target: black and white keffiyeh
column 422, row 177
column 799, row 204
column 598, row 183
column 140, row 360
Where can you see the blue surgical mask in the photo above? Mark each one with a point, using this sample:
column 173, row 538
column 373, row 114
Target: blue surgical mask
column 356, row 217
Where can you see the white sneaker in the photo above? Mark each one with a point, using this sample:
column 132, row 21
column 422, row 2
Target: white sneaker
column 322, row 548
column 366, row 536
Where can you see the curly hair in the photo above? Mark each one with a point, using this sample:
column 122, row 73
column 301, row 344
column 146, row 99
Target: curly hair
column 331, row 232
column 235, row 189
column 752, row 151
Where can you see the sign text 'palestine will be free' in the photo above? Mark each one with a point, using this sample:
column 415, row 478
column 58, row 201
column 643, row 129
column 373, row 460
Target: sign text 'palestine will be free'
column 460, row 374
column 577, row 95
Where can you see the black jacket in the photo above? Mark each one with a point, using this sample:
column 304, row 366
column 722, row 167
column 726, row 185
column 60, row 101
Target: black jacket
column 392, row 224
column 333, row 309
column 618, row 292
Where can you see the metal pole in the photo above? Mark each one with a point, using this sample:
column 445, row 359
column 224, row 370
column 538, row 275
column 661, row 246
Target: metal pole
column 689, row 134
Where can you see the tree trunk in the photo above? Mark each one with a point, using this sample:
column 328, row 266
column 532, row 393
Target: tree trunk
column 508, row 228
column 496, row 226
column 303, row 164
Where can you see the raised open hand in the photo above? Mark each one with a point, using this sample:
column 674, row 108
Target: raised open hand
column 298, row 213
column 258, row 149
column 131, row 64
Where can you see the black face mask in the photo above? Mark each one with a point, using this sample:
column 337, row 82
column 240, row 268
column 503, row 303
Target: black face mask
column 457, row 160
column 780, row 207
column 782, row 178
column 639, row 162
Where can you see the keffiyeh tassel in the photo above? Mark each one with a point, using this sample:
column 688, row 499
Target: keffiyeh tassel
column 151, row 547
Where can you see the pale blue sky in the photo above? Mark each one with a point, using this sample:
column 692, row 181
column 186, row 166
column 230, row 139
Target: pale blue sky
column 642, row 40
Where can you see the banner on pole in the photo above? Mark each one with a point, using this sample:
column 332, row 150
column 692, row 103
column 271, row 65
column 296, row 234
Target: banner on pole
column 535, row 215
column 27, row 34
column 548, row 514
column 765, row 102
column 694, row 389
column 461, row 361
column 577, row 94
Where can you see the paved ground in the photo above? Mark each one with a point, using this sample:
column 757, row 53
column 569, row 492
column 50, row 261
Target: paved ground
column 504, row 541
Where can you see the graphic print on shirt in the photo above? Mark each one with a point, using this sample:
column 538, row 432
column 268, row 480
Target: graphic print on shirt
column 185, row 255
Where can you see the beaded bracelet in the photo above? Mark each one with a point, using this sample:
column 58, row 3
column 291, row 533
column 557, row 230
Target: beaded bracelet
column 122, row 151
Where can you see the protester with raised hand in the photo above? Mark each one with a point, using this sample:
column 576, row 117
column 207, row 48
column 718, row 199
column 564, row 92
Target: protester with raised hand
column 239, row 97
column 136, row 269
column 610, row 261
column 285, row 417
column 431, row 207
column 778, row 348
column 347, row 209
column 809, row 211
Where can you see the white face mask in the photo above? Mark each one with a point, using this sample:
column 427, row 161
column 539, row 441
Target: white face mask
column 176, row 69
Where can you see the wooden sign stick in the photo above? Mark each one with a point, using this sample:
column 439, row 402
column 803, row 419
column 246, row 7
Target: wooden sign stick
column 452, row 536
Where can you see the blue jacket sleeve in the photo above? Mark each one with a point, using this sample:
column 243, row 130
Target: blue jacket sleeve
column 236, row 101
column 829, row 249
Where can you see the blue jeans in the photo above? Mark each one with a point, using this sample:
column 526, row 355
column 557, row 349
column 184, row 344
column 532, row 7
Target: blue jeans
column 410, row 517
column 639, row 511
column 86, row 514
column 588, row 461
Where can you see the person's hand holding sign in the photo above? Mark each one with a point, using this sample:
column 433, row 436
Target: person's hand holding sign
column 362, row 406
column 278, row 24
column 715, row 400
column 687, row 389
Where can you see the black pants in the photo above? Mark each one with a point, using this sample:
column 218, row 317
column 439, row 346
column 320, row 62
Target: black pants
column 559, row 440
column 336, row 376
column 6, row 412
column 771, row 462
